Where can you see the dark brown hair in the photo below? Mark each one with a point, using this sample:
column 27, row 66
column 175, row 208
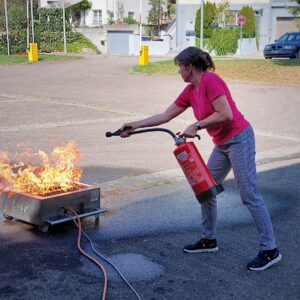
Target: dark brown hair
column 200, row 59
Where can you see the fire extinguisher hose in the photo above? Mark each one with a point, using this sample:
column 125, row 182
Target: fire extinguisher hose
column 119, row 131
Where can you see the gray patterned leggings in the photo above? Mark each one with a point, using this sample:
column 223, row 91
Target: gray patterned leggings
column 239, row 154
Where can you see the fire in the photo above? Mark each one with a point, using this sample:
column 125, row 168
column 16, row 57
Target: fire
column 51, row 174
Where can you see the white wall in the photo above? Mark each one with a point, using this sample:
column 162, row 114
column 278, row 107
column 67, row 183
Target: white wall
column 249, row 2
column 89, row 15
column 154, row 47
column 96, row 36
column 246, row 46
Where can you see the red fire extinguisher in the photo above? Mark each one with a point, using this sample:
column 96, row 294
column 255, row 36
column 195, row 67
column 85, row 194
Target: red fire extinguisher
column 191, row 163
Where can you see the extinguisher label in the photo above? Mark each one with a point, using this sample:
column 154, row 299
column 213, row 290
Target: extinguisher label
column 182, row 155
column 189, row 168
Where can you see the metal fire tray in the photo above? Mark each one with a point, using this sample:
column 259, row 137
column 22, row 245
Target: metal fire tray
column 49, row 210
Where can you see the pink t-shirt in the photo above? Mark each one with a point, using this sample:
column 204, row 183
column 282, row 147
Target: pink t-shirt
column 211, row 87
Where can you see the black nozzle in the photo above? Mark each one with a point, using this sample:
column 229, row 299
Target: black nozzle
column 116, row 133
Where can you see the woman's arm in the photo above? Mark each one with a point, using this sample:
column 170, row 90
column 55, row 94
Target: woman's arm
column 222, row 115
column 170, row 113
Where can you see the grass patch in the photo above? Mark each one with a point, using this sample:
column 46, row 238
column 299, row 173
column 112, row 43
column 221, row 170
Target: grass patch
column 15, row 59
column 276, row 71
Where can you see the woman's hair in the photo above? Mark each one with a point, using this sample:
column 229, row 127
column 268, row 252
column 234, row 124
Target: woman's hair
column 201, row 60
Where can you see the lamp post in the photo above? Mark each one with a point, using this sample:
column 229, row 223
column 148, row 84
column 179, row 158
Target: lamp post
column 201, row 24
column 140, row 25
column 6, row 25
column 27, row 21
column 64, row 28
column 32, row 21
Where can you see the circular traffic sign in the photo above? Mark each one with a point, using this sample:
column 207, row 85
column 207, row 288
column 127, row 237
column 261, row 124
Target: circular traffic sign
column 241, row 20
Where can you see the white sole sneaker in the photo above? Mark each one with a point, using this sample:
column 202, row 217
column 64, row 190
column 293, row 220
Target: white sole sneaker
column 202, row 250
column 270, row 264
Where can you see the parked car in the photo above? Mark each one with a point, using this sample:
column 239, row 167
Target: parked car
column 287, row 45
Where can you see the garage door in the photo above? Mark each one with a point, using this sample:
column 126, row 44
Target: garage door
column 285, row 25
column 118, row 42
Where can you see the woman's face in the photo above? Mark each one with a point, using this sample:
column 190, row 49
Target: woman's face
column 185, row 71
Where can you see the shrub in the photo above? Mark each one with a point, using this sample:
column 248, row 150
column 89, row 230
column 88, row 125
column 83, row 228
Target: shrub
column 249, row 26
column 129, row 20
column 16, row 17
column 53, row 41
column 17, row 41
column 224, row 41
column 51, row 20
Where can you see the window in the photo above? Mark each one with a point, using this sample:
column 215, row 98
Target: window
column 131, row 14
column 284, row 37
column 97, row 16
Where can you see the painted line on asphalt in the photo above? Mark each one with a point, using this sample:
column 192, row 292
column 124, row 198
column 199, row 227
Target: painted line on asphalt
column 277, row 154
column 60, row 124
column 277, row 136
column 22, row 98
column 144, row 181
column 130, row 115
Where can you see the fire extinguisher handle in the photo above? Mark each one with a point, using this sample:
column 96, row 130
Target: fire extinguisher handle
column 197, row 136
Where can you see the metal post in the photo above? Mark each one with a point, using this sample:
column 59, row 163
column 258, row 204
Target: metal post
column 6, row 25
column 32, row 21
column 177, row 25
column 64, row 27
column 27, row 29
column 241, row 39
column 140, row 24
column 201, row 24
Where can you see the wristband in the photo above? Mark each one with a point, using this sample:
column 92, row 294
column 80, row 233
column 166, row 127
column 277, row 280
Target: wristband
column 197, row 125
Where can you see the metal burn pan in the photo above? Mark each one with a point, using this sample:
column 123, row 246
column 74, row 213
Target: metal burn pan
column 43, row 211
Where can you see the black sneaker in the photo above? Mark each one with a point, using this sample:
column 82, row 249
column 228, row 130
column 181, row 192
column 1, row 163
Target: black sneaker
column 265, row 259
column 203, row 245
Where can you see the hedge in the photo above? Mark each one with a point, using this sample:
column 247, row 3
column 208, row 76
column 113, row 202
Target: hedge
column 224, row 41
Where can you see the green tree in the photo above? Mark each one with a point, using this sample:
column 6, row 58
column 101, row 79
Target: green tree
column 14, row 6
column 295, row 11
column 210, row 19
column 16, row 17
column 224, row 15
column 171, row 8
column 81, row 6
column 155, row 14
column 249, row 26
column 51, row 20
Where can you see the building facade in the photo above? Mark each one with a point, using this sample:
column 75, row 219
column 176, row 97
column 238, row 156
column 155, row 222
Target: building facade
column 102, row 11
column 272, row 18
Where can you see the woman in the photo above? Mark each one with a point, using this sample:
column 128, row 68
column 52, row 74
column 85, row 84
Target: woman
column 233, row 136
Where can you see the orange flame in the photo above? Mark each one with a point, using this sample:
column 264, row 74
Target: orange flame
column 56, row 173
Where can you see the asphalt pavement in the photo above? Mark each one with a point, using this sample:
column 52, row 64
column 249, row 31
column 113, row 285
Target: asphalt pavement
column 151, row 210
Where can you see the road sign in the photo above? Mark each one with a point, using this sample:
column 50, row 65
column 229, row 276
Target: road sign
column 241, row 20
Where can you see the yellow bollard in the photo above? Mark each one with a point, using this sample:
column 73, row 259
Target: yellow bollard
column 143, row 59
column 33, row 52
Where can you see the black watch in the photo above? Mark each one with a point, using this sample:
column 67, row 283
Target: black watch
column 197, row 125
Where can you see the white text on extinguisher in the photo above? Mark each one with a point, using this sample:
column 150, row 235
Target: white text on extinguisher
column 189, row 168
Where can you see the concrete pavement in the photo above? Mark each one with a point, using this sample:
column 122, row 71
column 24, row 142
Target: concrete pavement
column 152, row 212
